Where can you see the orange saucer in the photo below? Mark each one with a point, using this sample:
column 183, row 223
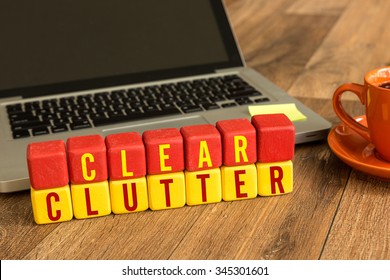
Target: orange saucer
column 355, row 151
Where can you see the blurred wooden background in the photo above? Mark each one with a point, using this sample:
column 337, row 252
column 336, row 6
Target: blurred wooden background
column 311, row 47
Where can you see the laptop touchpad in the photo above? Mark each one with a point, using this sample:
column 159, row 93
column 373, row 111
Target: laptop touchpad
column 157, row 124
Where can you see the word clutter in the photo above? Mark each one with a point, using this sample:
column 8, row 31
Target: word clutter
column 166, row 168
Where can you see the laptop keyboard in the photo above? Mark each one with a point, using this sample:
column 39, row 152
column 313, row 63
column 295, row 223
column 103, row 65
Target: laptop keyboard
column 104, row 108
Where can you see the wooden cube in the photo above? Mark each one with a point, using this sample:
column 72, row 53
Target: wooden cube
column 239, row 182
column 51, row 205
column 275, row 137
column 47, row 164
column 125, row 156
column 202, row 146
column 129, row 195
column 164, row 150
column 238, row 142
column 275, row 178
column 91, row 200
column 87, row 159
column 166, row 191
column 203, row 187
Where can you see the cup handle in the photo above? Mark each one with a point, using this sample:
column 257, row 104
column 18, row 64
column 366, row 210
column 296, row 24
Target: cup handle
column 343, row 115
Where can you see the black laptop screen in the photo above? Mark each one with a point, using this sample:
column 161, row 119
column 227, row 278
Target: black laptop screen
column 49, row 46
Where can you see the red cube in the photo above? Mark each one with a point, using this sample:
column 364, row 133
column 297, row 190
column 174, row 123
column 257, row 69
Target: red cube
column 275, row 137
column 238, row 142
column 164, row 150
column 203, row 147
column 87, row 159
column 47, row 164
column 126, row 156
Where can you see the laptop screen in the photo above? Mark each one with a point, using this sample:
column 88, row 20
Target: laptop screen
column 57, row 46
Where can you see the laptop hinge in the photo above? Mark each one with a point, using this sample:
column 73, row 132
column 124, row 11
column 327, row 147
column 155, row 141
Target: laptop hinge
column 228, row 70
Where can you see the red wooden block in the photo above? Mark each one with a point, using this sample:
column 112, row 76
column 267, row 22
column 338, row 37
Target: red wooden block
column 275, row 137
column 203, row 147
column 126, row 156
column 238, row 142
column 47, row 164
column 164, row 150
column 87, row 159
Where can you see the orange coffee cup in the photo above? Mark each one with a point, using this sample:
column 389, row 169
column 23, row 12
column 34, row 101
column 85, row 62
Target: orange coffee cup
column 375, row 95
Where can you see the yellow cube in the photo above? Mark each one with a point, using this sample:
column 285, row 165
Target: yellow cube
column 239, row 182
column 166, row 190
column 91, row 200
column 51, row 205
column 275, row 178
column 129, row 195
column 203, row 186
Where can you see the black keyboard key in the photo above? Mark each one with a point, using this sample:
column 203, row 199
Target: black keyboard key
column 191, row 108
column 20, row 116
column 118, row 94
column 80, row 124
column 29, row 106
column 86, row 98
column 40, row 130
column 66, row 115
column 39, row 112
column 52, row 103
column 113, row 120
column 210, row 106
column 97, row 115
column 245, row 92
column 227, row 105
column 100, row 120
column 21, row 133
column 184, row 103
column 168, row 99
column 135, row 104
column 29, row 124
column 151, row 109
column 168, row 106
column 168, row 110
column 14, row 108
column 116, row 114
column 83, row 112
column 61, row 127
column 262, row 99
column 66, row 101
column 244, row 101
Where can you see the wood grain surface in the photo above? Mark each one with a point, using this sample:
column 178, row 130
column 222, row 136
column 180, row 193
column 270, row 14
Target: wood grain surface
column 307, row 48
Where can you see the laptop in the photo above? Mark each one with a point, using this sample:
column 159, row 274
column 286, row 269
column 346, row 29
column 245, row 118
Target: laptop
column 73, row 68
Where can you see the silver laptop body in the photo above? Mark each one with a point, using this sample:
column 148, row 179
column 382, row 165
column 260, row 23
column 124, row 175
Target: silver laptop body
column 211, row 48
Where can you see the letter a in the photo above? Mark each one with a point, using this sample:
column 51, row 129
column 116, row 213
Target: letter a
column 204, row 155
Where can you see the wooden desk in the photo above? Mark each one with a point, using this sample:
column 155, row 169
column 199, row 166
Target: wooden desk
column 308, row 48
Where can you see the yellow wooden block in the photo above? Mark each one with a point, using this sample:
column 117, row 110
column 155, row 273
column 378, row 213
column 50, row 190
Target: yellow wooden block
column 239, row 182
column 275, row 178
column 166, row 190
column 91, row 200
column 51, row 205
column 129, row 195
column 203, row 186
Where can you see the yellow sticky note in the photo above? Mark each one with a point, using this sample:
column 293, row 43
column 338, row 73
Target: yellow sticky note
column 289, row 109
